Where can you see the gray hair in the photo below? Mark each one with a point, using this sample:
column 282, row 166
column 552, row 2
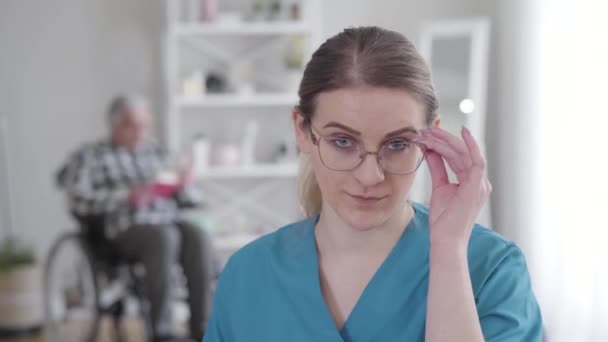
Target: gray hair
column 123, row 103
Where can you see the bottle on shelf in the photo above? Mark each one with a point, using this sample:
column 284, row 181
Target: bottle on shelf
column 248, row 143
column 209, row 10
column 201, row 148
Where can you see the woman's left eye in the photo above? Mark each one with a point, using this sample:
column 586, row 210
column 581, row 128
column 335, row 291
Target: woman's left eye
column 398, row 145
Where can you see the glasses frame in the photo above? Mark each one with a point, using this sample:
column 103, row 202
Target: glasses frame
column 316, row 141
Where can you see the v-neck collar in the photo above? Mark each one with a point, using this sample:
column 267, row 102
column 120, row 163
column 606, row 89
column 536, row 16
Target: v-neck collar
column 368, row 303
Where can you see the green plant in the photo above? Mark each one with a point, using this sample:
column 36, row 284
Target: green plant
column 294, row 54
column 275, row 7
column 15, row 254
column 258, row 7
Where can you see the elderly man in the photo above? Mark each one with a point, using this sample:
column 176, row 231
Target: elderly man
column 118, row 179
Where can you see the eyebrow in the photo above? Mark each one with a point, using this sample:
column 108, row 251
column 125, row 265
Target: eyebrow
column 408, row 129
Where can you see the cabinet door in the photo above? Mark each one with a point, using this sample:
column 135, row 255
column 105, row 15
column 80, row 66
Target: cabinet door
column 456, row 51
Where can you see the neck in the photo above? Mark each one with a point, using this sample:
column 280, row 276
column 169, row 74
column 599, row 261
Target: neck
column 334, row 236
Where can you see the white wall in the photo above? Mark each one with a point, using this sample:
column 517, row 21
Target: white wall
column 61, row 61
column 4, row 203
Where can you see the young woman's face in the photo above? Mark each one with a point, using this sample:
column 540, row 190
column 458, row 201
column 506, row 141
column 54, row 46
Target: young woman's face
column 353, row 120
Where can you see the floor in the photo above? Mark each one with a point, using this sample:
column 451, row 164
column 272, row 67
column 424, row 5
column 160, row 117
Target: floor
column 133, row 328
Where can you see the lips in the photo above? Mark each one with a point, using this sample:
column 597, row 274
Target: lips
column 367, row 199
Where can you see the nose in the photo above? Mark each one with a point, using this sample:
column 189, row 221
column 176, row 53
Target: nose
column 369, row 172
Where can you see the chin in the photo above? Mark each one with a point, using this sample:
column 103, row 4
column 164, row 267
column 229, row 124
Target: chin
column 363, row 219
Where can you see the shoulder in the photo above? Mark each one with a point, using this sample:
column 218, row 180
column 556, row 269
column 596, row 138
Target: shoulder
column 495, row 261
column 488, row 251
column 488, row 246
column 155, row 147
column 88, row 151
column 487, row 241
column 484, row 242
column 269, row 246
column 505, row 300
column 275, row 253
column 90, row 147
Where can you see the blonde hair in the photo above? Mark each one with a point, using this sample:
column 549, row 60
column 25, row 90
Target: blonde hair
column 309, row 193
column 359, row 56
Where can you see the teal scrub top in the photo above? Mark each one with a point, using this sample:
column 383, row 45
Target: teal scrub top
column 269, row 291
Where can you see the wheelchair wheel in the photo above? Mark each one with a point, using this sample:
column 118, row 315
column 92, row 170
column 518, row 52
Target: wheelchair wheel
column 71, row 299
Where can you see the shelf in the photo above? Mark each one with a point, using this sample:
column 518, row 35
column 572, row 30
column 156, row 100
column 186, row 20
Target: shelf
column 236, row 101
column 254, row 171
column 244, row 28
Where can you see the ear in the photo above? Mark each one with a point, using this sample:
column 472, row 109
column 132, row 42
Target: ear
column 437, row 121
column 303, row 141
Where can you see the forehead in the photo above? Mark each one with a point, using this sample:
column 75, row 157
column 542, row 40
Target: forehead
column 371, row 110
column 135, row 114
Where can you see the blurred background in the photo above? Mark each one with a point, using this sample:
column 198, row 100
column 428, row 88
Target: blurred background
column 527, row 76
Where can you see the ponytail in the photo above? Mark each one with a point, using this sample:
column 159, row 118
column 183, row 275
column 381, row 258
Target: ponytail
column 309, row 192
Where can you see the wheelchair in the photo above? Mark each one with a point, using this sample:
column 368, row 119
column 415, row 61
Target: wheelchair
column 85, row 281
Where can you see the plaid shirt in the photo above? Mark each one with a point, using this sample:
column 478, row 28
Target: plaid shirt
column 98, row 177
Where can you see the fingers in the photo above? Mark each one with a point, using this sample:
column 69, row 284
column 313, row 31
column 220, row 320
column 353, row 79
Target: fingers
column 140, row 195
column 478, row 189
column 457, row 144
column 478, row 177
column 453, row 150
column 473, row 148
column 439, row 174
column 463, row 156
column 186, row 178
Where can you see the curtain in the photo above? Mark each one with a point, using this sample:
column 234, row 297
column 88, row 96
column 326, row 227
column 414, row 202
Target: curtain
column 566, row 237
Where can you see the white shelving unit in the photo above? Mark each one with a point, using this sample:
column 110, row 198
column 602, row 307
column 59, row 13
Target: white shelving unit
column 244, row 29
column 241, row 101
column 242, row 200
column 255, row 171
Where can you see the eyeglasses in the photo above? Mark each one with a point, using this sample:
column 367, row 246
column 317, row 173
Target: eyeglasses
column 340, row 152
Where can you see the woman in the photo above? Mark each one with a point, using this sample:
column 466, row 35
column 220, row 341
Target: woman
column 368, row 265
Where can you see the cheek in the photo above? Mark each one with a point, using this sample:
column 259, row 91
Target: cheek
column 401, row 185
column 140, row 133
column 124, row 133
column 329, row 181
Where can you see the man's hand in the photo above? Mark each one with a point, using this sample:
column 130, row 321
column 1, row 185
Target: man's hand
column 186, row 173
column 141, row 195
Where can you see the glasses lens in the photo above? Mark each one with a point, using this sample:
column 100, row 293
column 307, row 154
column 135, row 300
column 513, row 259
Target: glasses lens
column 401, row 157
column 339, row 153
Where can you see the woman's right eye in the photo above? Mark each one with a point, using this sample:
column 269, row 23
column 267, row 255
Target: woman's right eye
column 342, row 142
